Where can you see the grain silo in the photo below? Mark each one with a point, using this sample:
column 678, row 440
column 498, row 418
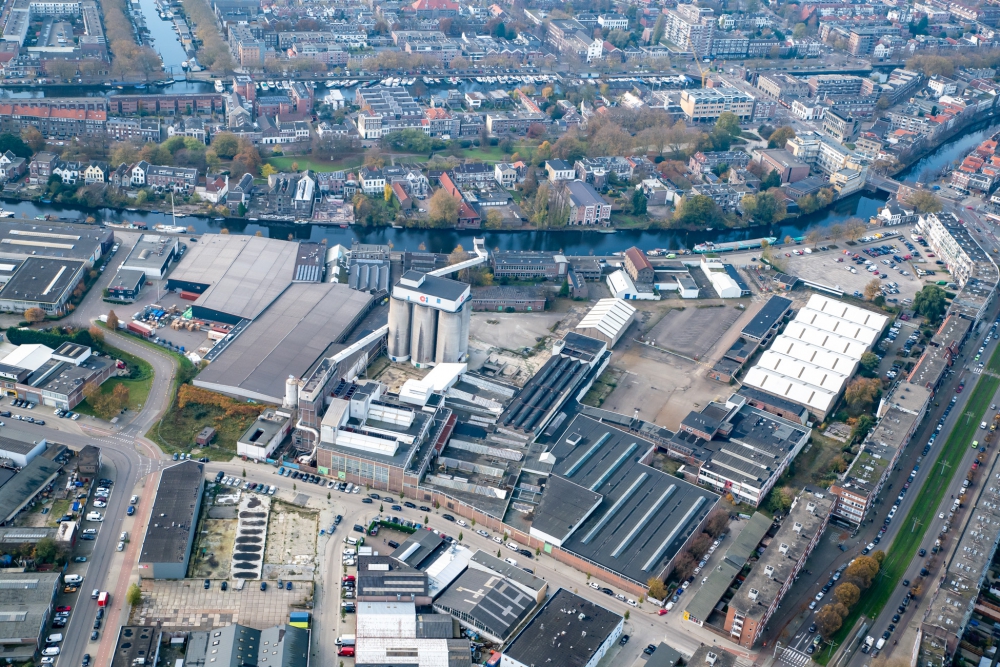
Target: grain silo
column 449, row 338
column 400, row 313
column 423, row 335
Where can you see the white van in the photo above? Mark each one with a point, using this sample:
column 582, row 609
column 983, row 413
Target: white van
column 94, row 516
column 73, row 579
column 54, row 639
column 346, row 640
column 351, row 540
column 510, row 561
column 350, row 551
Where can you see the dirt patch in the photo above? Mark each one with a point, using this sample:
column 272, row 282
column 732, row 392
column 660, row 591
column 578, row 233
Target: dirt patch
column 213, row 548
column 603, row 387
column 291, row 536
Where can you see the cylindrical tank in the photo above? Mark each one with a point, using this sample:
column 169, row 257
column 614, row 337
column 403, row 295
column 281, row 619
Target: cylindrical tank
column 466, row 323
column 449, row 338
column 423, row 335
column 291, row 392
column 399, row 329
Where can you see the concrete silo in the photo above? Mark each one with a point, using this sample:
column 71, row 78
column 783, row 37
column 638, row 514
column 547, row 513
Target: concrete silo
column 449, row 338
column 463, row 349
column 400, row 313
column 423, row 335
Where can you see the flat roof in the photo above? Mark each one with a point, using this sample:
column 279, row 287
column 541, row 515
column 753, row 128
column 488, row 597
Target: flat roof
column 664, row 656
column 134, row 642
column 173, row 514
column 435, row 286
column 241, row 274
column 505, row 569
column 386, row 576
column 494, row 603
column 567, row 631
column 42, row 280
column 25, row 484
column 808, row 515
column 563, row 507
column 26, row 599
column 267, row 425
column 645, row 515
column 63, row 378
column 767, row 317
column 285, row 339
column 31, row 238
column 151, row 251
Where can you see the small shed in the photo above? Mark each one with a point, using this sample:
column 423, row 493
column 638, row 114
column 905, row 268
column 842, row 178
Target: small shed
column 205, row 437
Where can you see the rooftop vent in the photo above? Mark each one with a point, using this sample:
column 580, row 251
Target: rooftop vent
column 710, row 658
column 797, row 527
column 768, row 570
column 783, row 548
column 753, row 594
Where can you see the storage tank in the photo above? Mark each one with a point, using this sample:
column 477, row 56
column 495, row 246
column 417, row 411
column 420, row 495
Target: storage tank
column 399, row 329
column 423, row 334
column 466, row 323
column 291, row 393
column 449, row 338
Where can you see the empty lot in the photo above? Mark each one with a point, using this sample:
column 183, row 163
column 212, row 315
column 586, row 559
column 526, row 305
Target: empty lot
column 692, row 331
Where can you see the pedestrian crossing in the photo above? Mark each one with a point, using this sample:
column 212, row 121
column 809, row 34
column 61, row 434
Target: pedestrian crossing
column 977, row 370
column 795, row 658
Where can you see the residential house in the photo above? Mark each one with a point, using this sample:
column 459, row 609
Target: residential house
column 11, row 166
column 372, row 181
column 95, row 172
column 41, row 167
column 68, row 171
column 240, row 193
column 139, row 170
column 215, row 189
column 177, row 179
column 586, row 207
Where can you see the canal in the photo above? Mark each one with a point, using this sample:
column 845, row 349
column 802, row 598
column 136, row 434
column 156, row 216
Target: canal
column 164, row 39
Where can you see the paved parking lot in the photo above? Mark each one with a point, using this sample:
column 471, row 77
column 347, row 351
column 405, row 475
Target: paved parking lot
column 186, row 604
column 823, row 267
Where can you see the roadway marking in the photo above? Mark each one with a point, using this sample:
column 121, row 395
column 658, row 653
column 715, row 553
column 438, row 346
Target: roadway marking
column 791, row 656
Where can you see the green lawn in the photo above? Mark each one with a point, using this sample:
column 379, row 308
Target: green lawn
column 284, row 163
column 904, row 547
column 178, row 428
column 138, row 386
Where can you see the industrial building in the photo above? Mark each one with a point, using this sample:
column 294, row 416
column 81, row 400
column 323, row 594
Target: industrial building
column 20, row 239
column 152, row 255
column 777, row 568
column 389, row 579
column 264, row 435
column 724, row 279
column 27, row 600
column 368, row 267
column 811, row 362
column 603, row 507
column 737, row 448
column 136, row 645
column 486, row 603
column 18, row 446
column 42, row 282
column 280, row 646
column 166, row 547
column 18, row 490
column 569, row 631
column 607, row 321
column 428, row 320
column 768, row 319
column 287, row 338
column 393, row 633
column 234, row 276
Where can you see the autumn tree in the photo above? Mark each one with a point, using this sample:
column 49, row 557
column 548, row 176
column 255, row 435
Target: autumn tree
column 854, row 229
column 813, row 237
column 494, row 219
column 847, row 594
column 717, row 523
column 97, row 333
column 780, row 137
column 34, row 315
column 828, row 621
column 873, row 289
column 924, row 201
column 112, row 320
column 930, row 302
column 657, row 589
column 33, row 138
column 835, row 232
column 134, row 595
column 861, row 572
column 443, row 209
column 120, row 394
column 861, row 393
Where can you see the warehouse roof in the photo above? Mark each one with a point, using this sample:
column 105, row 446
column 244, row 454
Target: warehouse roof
column 42, row 280
column 483, row 560
column 24, row 238
column 494, row 603
column 238, row 275
column 567, row 631
column 25, row 484
column 285, row 339
column 645, row 514
column 436, row 286
column 134, row 642
column 609, row 316
column 26, row 598
column 152, row 252
column 173, row 513
column 385, row 576
column 563, row 507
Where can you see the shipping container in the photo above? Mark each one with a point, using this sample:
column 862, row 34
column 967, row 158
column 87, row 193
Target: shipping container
column 299, row 616
column 103, row 599
column 140, row 328
column 189, row 296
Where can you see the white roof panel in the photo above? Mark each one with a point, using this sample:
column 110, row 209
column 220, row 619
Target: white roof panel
column 802, row 371
column 814, row 354
column 846, row 311
column 831, row 341
column 609, row 316
column 837, row 325
column 790, row 388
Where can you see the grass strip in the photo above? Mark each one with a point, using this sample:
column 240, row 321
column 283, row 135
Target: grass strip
column 904, row 547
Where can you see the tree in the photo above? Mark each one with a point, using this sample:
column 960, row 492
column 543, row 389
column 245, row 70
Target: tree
column 494, row 219
column 685, row 565
column 869, row 364
column 34, row 315
column 443, row 209
column 854, row 229
column 764, row 209
column 33, row 138
column 267, row 170
column 780, row 499
column 717, row 523
column 96, row 333
column 698, row 211
column 771, row 180
column 813, row 237
column 799, row 31
column 134, row 595
column 847, row 594
column 13, row 143
column 457, row 256
column 638, row 202
column 120, row 394
column 46, row 550
column 924, row 201
column 658, row 29
column 929, row 302
column 460, row 536
column 226, row 145
column 780, row 137
column 861, row 393
column 112, row 320
column 861, row 572
column 828, row 621
column 657, row 589
column 729, row 123
column 835, row 231
column 873, row 289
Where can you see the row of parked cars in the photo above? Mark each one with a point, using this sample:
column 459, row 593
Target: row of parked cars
column 263, row 489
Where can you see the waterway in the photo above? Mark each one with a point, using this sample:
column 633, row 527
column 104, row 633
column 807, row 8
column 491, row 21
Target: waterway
column 571, row 242
column 165, row 40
